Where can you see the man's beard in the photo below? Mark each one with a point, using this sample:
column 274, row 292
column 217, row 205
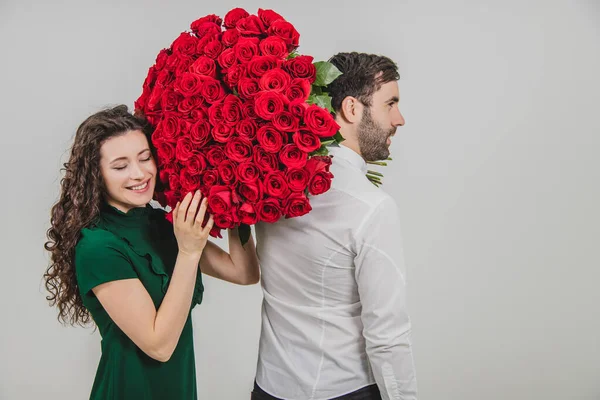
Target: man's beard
column 372, row 138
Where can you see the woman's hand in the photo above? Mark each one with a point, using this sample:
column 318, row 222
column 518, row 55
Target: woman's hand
column 187, row 223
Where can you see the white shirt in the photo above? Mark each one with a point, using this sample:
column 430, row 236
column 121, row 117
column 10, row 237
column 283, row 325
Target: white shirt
column 334, row 315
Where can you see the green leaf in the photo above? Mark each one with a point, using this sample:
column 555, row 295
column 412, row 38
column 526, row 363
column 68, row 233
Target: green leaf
column 326, row 73
column 323, row 151
column 317, row 90
column 371, row 172
column 338, row 137
column 292, row 55
column 323, row 101
column 244, row 233
column 327, row 142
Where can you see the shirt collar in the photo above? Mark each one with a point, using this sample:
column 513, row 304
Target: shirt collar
column 352, row 157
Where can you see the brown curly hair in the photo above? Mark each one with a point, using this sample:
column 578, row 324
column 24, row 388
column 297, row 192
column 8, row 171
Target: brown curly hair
column 81, row 195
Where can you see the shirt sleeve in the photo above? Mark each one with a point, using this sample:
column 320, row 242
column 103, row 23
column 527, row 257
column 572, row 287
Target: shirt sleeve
column 99, row 258
column 381, row 287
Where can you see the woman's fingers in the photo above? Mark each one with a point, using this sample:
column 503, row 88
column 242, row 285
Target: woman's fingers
column 183, row 208
column 209, row 226
column 193, row 208
column 201, row 213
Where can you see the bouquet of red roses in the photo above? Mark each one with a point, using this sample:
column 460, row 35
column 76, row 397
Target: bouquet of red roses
column 243, row 117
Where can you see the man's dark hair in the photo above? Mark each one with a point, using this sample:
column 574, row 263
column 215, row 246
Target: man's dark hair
column 363, row 75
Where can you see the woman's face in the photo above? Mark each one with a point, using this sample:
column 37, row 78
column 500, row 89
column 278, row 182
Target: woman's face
column 128, row 170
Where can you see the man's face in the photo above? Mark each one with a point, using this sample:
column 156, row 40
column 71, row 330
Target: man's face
column 379, row 122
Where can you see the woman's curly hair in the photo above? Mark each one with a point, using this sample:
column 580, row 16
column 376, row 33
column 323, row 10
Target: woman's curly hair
column 81, row 195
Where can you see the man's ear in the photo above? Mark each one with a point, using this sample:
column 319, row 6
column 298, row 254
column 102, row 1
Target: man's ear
column 351, row 109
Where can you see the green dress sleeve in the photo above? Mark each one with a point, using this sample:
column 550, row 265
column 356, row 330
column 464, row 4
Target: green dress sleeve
column 100, row 258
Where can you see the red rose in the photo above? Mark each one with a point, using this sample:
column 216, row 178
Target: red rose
column 248, row 110
column 270, row 138
column 286, row 122
column 273, row 46
column 219, row 199
column 165, row 150
column 276, row 185
column 232, row 17
column 215, row 155
column 227, row 58
column 185, row 44
column 161, row 59
column 200, row 133
column 215, row 19
column 221, row 133
column 224, row 221
column 172, row 197
column 215, row 114
column 204, row 66
column 196, row 164
column 248, row 172
column 234, row 74
column 259, row 65
column 323, row 163
column 248, row 88
column 268, row 16
column 155, row 98
column 292, row 157
column 227, row 172
column 174, row 182
column 184, row 127
column 206, row 29
column 251, row 192
column 298, row 108
column 184, row 149
column 247, row 214
column 320, row 177
column 170, row 99
column 164, row 78
column 320, row 121
column 301, row 67
column 205, row 41
column 216, row 232
column 184, row 66
column 297, row 179
column 299, row 90
column 267, row 104
column 296, row 205
column 170, row 127
column 269, row 210
column 198, row 114
column 286, row 31
column 239, row 149
column 250, row 26
column 232, row 110
column 213, row 49
column 209, row 179
column 187, row 104
column 275, row 80
column 189, row 84
column 230, row 37
column 247, row 128
column 306, row 140
column 212, row 90
column 267, row 162
column 189, row 182
column 320, row 183
column 245, row 49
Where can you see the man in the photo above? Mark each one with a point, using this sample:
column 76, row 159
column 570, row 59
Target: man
column 334, row 319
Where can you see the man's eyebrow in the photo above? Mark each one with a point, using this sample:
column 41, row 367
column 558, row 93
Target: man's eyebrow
column 393, row 99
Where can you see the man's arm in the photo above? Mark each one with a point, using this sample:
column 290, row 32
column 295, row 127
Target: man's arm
column 382, row 293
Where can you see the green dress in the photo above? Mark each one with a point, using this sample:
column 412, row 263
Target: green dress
column 138, row 244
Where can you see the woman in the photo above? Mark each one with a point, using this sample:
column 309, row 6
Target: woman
column 119, row 261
